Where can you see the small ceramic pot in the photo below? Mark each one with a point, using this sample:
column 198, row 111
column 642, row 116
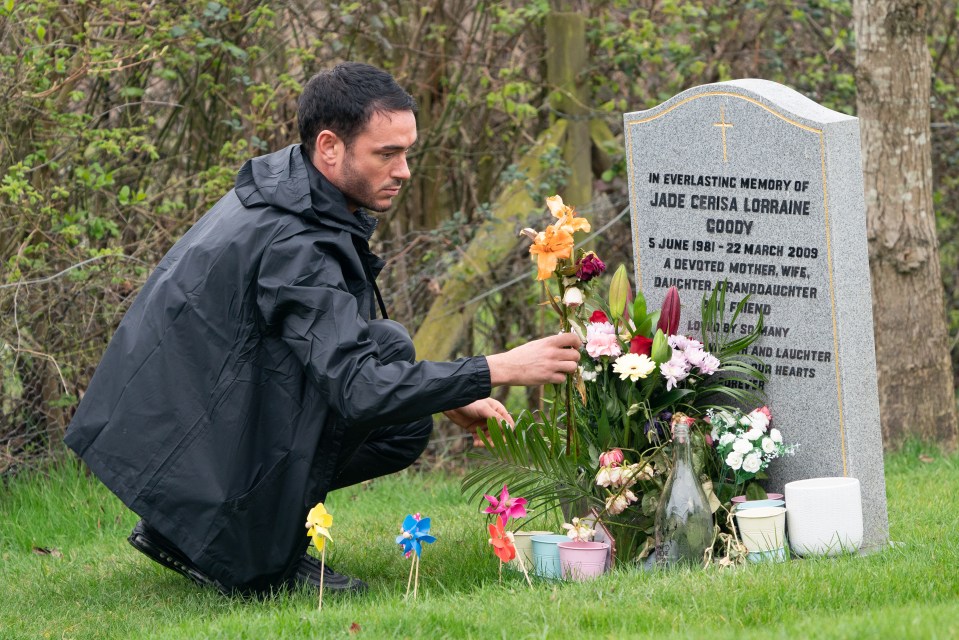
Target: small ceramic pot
column 546, row 555
column 582, row 560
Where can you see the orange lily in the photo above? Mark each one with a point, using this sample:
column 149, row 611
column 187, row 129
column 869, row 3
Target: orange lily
column 550, row 246
column 502, row 543
column 567, row 216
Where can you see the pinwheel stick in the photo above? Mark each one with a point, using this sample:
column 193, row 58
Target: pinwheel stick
column 409, row 582
column 416, row 580
column 322, row 572
column 522, row 565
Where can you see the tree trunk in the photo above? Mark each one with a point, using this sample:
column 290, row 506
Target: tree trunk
column 444, row 328
column 893, row 75
column 566, row 67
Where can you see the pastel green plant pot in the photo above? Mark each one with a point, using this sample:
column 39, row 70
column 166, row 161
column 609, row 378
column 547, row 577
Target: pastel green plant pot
column 582, row 560
column 763, row 529
column 546, row 555
column 523, row 541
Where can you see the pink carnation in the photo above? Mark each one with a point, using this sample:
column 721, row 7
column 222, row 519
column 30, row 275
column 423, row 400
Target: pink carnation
column 603, row 344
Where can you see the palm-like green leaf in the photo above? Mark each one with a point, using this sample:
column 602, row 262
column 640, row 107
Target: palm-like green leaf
column 530, row 458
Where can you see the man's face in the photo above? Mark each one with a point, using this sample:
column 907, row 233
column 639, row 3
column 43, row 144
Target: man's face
column 374, row 165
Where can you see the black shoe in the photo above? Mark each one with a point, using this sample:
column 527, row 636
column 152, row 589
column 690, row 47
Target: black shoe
column 160, row 550
column 308, row 572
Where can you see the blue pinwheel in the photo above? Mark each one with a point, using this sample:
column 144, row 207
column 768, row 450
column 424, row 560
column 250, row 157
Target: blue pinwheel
column 416, row 530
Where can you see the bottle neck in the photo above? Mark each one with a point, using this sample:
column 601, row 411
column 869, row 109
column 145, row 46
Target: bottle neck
column 681, row 449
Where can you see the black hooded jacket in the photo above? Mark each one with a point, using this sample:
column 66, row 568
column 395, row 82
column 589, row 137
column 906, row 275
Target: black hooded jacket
column 218, row 409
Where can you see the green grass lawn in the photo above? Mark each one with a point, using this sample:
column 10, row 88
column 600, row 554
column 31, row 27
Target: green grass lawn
column 94, row 585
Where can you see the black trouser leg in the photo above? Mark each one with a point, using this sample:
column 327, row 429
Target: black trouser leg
column 370, row 454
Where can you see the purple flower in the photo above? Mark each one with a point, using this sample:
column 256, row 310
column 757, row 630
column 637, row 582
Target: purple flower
column 676, row 370
column 657, row 428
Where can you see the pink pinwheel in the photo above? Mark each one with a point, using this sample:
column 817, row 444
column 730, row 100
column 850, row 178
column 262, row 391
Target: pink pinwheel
column 506, row 507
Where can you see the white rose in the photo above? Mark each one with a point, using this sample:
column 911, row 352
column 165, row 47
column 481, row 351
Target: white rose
column 775, row 435
column 742, row 446
column 768, row 445
column 745, row 422
column 573, row 297
column 751, row 463
column 754, row 434
column 726, row 439
column 734, row 460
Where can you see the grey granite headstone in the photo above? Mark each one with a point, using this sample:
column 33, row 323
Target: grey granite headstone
column 752, row 182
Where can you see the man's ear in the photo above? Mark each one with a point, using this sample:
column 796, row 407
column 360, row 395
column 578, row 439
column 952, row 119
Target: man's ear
column 328, row 149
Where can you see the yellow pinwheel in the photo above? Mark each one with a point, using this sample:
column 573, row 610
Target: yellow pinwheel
column 318, row 522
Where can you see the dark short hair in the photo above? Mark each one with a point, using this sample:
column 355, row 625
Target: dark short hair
column 343, row 99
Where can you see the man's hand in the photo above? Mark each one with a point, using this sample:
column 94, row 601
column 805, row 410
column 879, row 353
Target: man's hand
column 547, row 360
column 473, row 416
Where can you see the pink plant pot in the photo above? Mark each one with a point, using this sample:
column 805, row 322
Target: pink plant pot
column 769, row 496
column 582, row 560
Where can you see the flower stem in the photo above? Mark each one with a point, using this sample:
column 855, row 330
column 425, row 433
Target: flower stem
column 565, row 326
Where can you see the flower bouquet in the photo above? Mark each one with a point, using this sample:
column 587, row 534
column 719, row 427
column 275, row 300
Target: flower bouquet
column 745, row 445
column 603, row 443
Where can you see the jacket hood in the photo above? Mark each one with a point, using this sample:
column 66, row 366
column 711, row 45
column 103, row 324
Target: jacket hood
column 287, row 180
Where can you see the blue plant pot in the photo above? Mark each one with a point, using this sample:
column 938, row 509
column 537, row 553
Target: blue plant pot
column 546, row 555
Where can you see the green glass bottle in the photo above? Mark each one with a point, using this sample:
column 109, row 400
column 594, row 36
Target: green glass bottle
column 684, row 522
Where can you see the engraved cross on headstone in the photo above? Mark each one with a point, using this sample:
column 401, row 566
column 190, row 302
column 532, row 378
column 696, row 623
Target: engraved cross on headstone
column 723, row 124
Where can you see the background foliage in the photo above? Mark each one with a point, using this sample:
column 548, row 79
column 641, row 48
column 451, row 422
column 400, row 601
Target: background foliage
column 121, row 122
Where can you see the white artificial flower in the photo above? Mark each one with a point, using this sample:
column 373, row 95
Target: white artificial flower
column 754, row 434
column 768, row 445
column 752, row 463
column 742, row 446
column 587, row 375
column 745, row 422
column 726, row 438
column 775, row 435
column 734, row 460
column 758, row 420
column 579, row 530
